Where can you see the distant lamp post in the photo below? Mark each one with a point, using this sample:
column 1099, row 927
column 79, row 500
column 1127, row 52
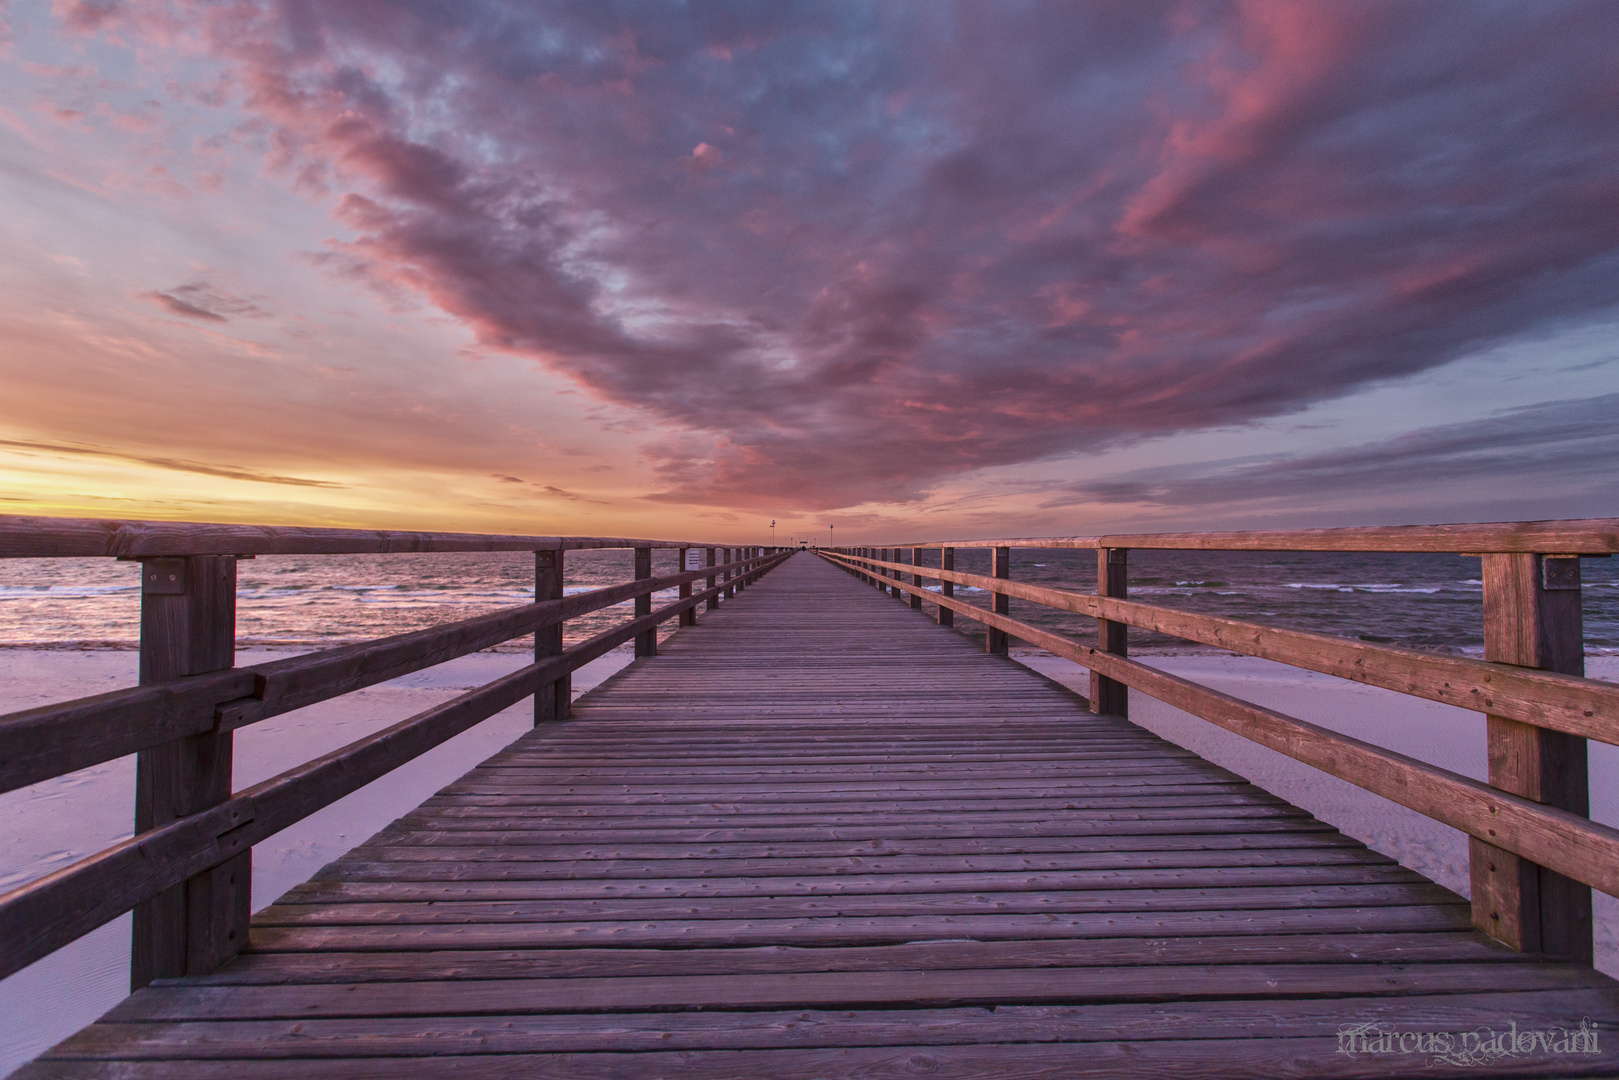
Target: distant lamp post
column 772, row 533
column 831, row 538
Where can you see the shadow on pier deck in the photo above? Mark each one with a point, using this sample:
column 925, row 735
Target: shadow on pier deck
column 820, row 836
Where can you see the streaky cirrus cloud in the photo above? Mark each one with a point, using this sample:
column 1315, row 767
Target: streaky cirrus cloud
column 1572, row 443
column 845, row 251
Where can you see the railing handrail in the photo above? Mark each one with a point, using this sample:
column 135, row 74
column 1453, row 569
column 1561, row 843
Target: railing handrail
column 1531, row 817
column 212, row 834
column 51, row 740
column 43, row 915
column 1585, row 536
column 23, row 536
column 1569, row 703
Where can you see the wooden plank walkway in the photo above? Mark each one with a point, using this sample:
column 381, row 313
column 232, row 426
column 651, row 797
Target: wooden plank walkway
column 821, row 837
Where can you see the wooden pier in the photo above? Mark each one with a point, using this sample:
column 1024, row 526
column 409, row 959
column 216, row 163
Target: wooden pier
column 819, row 835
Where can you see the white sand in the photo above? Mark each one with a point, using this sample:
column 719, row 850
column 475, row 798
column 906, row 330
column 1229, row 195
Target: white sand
column 50, row 825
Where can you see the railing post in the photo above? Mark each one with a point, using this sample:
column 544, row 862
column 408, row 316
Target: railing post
column 1108, row 696
column 713, row 602
column 551, row 702
column 893, row 555
column 997, row 641
column 1532, row 619
column 188, row 627
column 947, row 561
column 916, row 578
column 743, row 553
column 688, row 617
column 730, row 575
column 646, row 642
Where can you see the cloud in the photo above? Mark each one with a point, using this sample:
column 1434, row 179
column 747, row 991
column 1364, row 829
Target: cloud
column 205, row 303
column 841, row 253
column 1572, row 443
column 227, row 472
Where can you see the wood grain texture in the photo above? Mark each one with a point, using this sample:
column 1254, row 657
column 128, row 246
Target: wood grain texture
column 1530, row 906
column 188, row 627
column 552, row 703
column 1112, row 636
column 819, row 836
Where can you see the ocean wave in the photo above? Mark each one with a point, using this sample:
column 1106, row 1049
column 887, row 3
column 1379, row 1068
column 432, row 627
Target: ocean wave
column 66, row 592
column 1367, row 587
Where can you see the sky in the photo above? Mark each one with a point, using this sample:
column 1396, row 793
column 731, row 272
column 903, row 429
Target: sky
column 912, row 270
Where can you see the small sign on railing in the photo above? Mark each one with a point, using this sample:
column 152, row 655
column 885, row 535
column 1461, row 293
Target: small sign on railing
column 694, row 558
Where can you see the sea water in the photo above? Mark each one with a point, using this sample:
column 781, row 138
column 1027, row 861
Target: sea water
column 306, row 601
column 311, row 601
column 1431, row 602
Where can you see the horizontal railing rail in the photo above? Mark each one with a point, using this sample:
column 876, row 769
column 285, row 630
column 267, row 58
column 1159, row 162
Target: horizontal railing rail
column 186, row 871
column 1530, row 833
column 37, row 537
column 1586, row 536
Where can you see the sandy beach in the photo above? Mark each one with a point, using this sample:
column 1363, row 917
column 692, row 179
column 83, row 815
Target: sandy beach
column 49, row 825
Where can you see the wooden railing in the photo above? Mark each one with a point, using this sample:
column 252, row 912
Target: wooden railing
column 1533, row 848
column 186, row 872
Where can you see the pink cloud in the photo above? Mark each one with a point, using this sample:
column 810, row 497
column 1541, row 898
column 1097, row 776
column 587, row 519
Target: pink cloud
column 936, row 239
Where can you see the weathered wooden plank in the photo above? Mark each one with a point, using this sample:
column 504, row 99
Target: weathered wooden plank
column 323, row 893
column 1436, row 947
column 921, row 906
column 389, row 847
column 449, row 866
column 1239, row 1058
column 529, row 1033
column 685, row 933
column 839, row 989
